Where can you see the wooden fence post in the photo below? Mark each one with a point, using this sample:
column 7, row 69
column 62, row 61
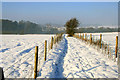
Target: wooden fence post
column 80, row 35
column 100, row 39
column 97, row 44
column 45, row 50
column 2, row 74
column 90, row 38
column 108, row 51
column 54, row 40
column 51, row 46
column 116, row 47
column 58, row 37
column 61, row 36
column 77, row 36
column 36, row 62
column 105, row 48
column 93, row 39
column 102, row 46
column 83, row 36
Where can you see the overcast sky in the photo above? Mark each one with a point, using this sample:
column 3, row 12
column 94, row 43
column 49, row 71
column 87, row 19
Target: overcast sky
column 105, row 13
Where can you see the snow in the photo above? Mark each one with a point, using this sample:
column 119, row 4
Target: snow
column 107, row 38
column 70, row 58
column 86, row 62
column 17, row 54
column 53, row 66
column 77, row 60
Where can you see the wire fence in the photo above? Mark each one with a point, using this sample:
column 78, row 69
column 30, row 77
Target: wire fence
column 39, row 59
column 19, row 63
column 107, row 48
column 27, row 62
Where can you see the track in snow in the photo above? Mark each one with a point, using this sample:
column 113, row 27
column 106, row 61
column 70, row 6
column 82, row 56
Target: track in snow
column 53, row 66
column 82, row 61
column 72, row 58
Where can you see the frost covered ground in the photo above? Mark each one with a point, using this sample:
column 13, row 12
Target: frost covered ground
column 70, row 58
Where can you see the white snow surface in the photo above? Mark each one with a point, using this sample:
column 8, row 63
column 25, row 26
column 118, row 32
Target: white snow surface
column 86, row 62
column 17, row 54
column 108, row 37
column 70, row 58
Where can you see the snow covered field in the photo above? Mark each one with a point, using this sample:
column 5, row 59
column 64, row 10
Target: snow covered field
column 70, row 58
column 107, row 38
column 17, row 53
column 74, row 59
column 85, row 62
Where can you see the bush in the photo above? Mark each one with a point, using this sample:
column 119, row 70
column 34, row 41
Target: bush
column 71, row 25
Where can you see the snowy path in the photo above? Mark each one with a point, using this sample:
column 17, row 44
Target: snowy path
column 81, row 61
column 53, row 66
column 72, row 58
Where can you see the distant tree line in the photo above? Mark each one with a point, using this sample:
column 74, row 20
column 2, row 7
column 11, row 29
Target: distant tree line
column 96, row 30
column 26, row 27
